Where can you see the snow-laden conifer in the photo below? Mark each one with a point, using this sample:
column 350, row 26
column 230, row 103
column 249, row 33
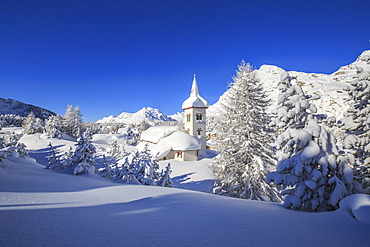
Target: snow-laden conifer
column 243, row 140
column 357, row 127
column 147, row 167
column 165, row 177
column 53, row 127
column 53, row 160
column 83, row 160
column 32, row 125
column 310, row 170
column 72, row 123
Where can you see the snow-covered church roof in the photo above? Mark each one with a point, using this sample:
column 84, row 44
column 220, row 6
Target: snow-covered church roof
column 195, row 100
column 163, row 139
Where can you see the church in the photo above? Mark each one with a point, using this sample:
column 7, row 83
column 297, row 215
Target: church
column 172, row 142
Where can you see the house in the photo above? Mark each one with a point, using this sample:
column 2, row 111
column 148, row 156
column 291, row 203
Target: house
column 171, row 142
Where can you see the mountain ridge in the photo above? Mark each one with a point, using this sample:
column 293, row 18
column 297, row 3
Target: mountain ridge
column 16, row 107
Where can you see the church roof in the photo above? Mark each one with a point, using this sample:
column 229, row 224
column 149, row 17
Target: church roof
column 195, row 100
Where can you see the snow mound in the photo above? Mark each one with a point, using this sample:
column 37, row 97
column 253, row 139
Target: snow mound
column 358, row 206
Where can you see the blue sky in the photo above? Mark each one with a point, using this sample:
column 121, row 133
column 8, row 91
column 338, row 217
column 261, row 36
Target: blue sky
column 114, row 56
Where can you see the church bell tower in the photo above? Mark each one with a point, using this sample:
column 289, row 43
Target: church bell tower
column 195, row 114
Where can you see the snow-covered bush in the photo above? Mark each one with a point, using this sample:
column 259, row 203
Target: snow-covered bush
column 10, row 139
column 310, row 170
column 243, row 141
column 17, row 149
column 11, row 120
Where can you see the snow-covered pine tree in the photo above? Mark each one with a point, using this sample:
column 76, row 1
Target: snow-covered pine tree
column 243, row 140
column 21, row 149
column 77, row 122
column 66, row 160
column 116, row 151
column 357, row 127
column 165, row 178
column 106, row 170
column 72, row 124
column 310, row 170
column 32, row 125
column 83, row 160
column 147, row 168
column 53, row 127
column 53, row 160
column 127, row 171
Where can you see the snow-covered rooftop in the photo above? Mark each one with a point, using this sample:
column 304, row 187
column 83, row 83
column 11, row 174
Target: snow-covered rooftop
column 163, row 139
column 195, row 100
column 155, row 134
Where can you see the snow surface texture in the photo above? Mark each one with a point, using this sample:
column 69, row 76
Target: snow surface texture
column 40, row 207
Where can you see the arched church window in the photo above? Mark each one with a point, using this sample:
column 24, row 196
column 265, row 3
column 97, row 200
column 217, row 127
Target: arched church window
column 199, row 116
column 188, row 117
column 199, row 131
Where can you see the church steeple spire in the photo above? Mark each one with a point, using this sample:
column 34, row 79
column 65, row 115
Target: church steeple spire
column 194, row 100
column 194, row 87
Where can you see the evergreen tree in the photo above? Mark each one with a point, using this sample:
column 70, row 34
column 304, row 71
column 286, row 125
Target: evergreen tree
column 53, row 127
column 53, row 161
column 21, row 149
column 310, row 170
column 32, row 125
column 243, row 140
column 66, row 160
column 165, row 179
column 72, row 124
column 116, row 151
column 147, row 167
column 357, row 129
column 83, row 160
column 106, row 171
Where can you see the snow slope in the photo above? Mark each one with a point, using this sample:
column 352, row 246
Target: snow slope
column 43, row 208
column 40, row 207
column 326, row 89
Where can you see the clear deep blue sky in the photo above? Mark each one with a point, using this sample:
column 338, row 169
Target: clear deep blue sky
column 114, row 56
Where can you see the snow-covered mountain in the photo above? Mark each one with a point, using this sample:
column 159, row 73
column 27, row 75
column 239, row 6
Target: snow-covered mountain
column 11, row 106
column 148, row 114
column 326, row 89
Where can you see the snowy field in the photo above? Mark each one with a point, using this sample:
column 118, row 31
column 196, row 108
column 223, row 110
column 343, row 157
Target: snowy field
column 41, row 207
